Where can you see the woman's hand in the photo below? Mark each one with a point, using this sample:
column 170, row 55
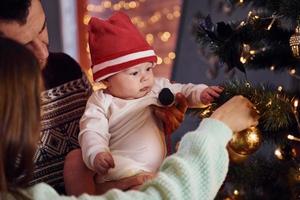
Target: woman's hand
column 238, row 113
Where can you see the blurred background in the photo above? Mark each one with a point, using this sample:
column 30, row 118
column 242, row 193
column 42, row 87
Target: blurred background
column 253, row 36
column 167, row 25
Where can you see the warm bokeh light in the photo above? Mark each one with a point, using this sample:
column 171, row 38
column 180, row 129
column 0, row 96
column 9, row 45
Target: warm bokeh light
column 278, row 154
column 157, row 20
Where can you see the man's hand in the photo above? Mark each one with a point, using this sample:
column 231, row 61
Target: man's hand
column 129, row 183
column 174, row 115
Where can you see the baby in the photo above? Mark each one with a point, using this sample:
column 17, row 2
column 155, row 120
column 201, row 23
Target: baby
column 119, row 135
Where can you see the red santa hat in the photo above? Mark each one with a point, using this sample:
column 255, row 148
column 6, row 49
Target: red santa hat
column 116, row 44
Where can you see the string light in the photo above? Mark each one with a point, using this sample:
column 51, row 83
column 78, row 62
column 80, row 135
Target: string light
column 279, row 88
column 247, row 84
column 133, row 4
column 278, row 154
column 291, row 137
column 159, row 60
column 172, row 55
column 165, row 36
column 246, row 53
column 295, row 111
column 292, row 71
column 117, row 7
column 250, row 13
column 107, row 4
column 269, row 103
column 272, row 22
column 243, row 60
column 167, row 60
column 206, row 112
column 113, row 6
column 272, row 68
column 295, row 104
column 176, row 13
column 236, row 192
column 150, row 38
column 86, row 19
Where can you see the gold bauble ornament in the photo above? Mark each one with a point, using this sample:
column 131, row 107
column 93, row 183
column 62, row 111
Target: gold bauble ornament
column 243, row 144
column 295, row 42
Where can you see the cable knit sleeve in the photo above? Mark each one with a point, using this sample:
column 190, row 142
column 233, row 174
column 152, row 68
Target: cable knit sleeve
column 94, row 131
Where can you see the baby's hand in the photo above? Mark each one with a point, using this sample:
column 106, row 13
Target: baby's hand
column 103, row 162
column 210, row 93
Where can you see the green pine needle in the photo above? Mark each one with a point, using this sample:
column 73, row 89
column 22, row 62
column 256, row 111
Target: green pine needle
column 275, row 108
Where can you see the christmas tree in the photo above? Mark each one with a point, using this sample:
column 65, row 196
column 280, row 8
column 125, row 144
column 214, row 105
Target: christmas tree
column 265, row 159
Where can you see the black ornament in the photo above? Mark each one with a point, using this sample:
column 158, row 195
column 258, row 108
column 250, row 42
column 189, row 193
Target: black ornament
column 166, row 97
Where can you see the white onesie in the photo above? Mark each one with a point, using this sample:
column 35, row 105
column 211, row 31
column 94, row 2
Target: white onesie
column 128, row 129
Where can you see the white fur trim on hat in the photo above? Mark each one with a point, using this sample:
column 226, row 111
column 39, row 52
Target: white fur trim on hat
column 123, row 59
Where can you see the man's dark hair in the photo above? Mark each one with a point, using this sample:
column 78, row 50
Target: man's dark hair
column 14, row 10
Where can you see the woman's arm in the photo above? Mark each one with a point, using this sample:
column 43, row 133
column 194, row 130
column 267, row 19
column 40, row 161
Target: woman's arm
column 199, row 167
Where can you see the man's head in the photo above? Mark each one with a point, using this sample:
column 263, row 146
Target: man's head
column 25, row 22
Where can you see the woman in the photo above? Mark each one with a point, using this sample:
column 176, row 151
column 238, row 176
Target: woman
column 196, row 171
column 19, row 114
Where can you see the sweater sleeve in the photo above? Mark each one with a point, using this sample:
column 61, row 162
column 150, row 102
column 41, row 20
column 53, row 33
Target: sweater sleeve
column 94, row 131
column 196, row 171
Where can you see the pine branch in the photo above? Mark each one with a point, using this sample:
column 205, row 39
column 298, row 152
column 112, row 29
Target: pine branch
column 276, row 109
column 267, row 47
column 289, row 9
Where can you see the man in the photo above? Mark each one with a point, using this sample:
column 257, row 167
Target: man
column 65, row 95
column 66, row 91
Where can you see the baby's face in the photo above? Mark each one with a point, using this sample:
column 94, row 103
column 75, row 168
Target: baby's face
column 132, row 83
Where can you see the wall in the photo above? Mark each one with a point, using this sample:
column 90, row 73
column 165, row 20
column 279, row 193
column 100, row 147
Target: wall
column 53, row 22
